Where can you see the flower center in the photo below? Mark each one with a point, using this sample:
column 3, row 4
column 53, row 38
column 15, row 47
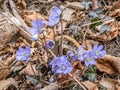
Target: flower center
column 50, row 44
column 63, row 67
column 97, row 53
column 26, row 54
column 88, row 59
column 80, row 53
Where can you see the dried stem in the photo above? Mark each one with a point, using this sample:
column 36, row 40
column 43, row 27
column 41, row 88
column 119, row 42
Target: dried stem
column 70, row 39
column 61, row 48
column 77, row 81
column 33, row 69
column 45, row 44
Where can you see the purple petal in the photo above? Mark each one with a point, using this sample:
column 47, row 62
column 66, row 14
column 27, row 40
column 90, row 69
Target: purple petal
column 86, row 64
column 21, row 49
column 34, row 30
column 18, row 57
column 19, row 52
column 27, row 48
column 103, row 53
column 92, row 62
column 49, row 23
column 59, row 71
column 95, row 47
column 34, row 24
column 100, row 47
column 39, row 22
column 55, row 11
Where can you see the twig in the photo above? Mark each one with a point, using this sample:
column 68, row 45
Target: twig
column 77, row 81
column 32, row 69
column 22, row 31
column 71, row 40
column 13, row 63
column 13, row 7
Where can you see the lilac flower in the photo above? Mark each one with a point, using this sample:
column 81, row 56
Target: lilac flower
column 37, row 27
column 23, row 54
column 55, row 12
column 80, row 53
column 72, row 55
column 98, row 51
column 50, row 44
column 54, row 17
column 61, row 65
column 89, row 59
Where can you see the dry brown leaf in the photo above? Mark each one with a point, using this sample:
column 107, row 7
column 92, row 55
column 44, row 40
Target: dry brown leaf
column 28, row 16
column 109, row 64
column 117, row 86
column 75, row 5
column 1, row 1
column 95, row 6
column 116, row 5
column 50, row 0
column 90, row 86
column 53, row 86
column 7, row 29
column 9, row 60
column 67, row 14
column 48, row 35
column 78, row 65
column 88, row 44
column 4, row 71
column 4, row 84
column 78, row 15
column 115, row 9
column 110, row 84
column 29, row 70
column 21, row 4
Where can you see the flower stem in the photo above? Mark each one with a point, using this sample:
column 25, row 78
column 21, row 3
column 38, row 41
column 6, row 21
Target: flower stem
column 77, row 81
column 61, row 49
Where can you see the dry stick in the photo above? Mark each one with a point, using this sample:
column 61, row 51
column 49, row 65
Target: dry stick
column 55, row 48
column 70, row 39
column 33, row 69
column 22, row 32
column 77, row 81
column 13, row 7
column 15, row 13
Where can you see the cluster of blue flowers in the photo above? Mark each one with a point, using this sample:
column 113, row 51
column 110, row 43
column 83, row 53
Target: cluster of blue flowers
column 62, row 65
column 36, row 29
column 38, row 25
column 59, row 64
column 89, row 56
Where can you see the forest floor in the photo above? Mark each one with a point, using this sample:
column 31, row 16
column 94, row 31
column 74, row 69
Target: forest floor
column 59, row 45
